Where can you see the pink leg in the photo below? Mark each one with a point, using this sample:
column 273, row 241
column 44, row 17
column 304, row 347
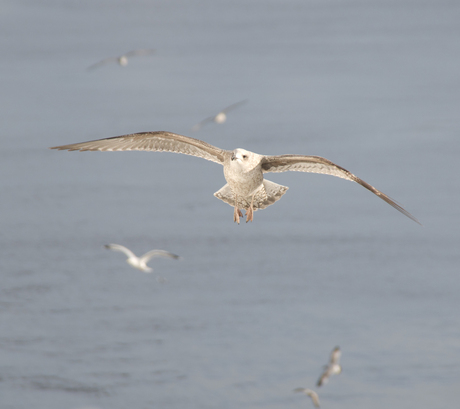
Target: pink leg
column 250, row 211
column 237, row 212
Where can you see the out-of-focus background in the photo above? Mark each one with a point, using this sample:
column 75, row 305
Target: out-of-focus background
column 251, row 311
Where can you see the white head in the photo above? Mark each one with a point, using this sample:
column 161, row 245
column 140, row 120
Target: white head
column 245, row 159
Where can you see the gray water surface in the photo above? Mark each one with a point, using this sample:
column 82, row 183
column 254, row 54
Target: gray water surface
column 251, row 311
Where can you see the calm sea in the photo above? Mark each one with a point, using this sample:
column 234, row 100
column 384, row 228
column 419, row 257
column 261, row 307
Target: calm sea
column 251, row 311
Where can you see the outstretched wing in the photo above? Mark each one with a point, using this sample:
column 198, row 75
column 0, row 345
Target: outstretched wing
column 313, row 395
column 324, row 378
column 122, row 249
column 152, row 141
column 335, row 356
column 233, row 106
column 199, row 125
column 317, row 164
column 139, row 52
column 158, row 253
column 102, row 62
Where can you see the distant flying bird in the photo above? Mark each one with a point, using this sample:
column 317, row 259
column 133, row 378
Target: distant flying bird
column 333, row 368
column 122, row 59
column 220, row 118
column 244, row 171
column 140, row 262
column 313, row 395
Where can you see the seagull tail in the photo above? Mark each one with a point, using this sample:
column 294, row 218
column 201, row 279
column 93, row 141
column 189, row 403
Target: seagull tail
column 267, row 194
column 273, row 193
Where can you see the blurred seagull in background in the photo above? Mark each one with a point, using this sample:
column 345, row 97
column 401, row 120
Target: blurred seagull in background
column 244, row 171
column 122, row 59
column 333, row 368
column 140, row 262
column 220, row 118
column 313, row 395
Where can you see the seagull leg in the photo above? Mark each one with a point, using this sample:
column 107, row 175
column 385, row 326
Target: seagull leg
column 237, row 212
column 250, row 211
column 236, row 218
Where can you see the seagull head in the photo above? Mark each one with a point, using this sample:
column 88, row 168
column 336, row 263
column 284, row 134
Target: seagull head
column 244, row 160
column 240, row 155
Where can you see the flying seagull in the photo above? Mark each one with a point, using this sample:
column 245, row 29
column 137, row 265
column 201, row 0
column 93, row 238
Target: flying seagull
column 313, row 395
column 220, row 118
column 333, row 368
column 244, row 171
column 122, row 59
column 140, row 262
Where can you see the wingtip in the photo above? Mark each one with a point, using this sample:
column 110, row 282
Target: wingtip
column 60, row 148
column 416, row 221
column 410, row 216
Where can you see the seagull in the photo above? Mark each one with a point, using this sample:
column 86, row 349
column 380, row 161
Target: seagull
column 244, row 171
column 140, row 262
column 220, row 118
column 332, row 369
column 313, row 395
column 122, row 59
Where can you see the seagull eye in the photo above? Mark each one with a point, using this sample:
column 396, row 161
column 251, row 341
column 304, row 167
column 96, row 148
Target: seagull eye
column 245, row 156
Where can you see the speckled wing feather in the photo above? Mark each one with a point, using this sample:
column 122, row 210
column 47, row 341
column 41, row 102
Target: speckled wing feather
column 152, row 141
column 317, row 164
